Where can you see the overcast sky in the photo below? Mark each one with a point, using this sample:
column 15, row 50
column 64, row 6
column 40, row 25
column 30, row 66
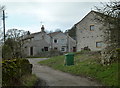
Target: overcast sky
column 28, row 14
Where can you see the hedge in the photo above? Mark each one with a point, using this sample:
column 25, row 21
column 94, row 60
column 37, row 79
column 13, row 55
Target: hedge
column 13, row 70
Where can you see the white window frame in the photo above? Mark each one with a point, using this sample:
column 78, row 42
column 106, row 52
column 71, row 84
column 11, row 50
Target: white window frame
column 54, row 40
column 63, row 48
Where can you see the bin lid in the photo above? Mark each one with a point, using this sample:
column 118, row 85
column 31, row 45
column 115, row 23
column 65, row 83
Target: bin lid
column 69, row 54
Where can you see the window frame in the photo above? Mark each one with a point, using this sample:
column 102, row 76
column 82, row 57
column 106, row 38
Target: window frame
column 62, row 49
column 97, row 46
column 56, row 41
column 92, row 27
column 55, row 48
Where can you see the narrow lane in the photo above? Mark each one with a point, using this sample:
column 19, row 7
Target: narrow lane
column 58, row 78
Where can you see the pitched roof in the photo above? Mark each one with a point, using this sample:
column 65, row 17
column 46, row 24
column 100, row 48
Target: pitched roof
column 30, row 36
column 86, row 16
column 97, row 13
column 54, row 33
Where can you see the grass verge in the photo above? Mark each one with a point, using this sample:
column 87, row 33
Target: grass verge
column 29, row 80
column 88, row 66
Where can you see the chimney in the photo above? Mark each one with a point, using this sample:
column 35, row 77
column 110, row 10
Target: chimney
column 42, row 28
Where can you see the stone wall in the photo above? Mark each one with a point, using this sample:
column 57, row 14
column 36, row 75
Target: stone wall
column 87, row 37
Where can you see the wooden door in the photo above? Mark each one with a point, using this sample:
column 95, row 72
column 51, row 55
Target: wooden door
column 31, row 51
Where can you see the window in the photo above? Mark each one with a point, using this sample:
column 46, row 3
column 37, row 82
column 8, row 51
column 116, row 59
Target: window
column 55, row 48
column 55, row 41
column 62, row 49
column 62, row 41
column 98, row 44
column 46, row 48
column 92, row 27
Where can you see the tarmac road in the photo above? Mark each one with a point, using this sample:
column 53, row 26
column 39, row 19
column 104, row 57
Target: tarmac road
column 57, row 78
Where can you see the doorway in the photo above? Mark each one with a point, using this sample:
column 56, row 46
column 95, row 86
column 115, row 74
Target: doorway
column 74, row 49
column 31, row 51
column 46, row 48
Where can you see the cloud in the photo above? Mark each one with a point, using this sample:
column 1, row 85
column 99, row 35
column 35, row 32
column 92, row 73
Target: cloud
column 63, row 15
column 55, row 1
column 32, row 28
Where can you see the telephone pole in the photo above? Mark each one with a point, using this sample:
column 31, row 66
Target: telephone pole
column 4, row 24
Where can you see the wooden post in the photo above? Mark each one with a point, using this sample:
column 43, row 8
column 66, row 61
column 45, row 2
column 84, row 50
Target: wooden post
column 4, row 24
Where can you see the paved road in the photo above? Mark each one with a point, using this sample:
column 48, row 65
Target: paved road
column 58, row 78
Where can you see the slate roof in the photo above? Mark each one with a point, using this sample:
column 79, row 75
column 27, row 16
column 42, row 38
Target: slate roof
column 54, row 33
column 30, row 36
column 98, row 13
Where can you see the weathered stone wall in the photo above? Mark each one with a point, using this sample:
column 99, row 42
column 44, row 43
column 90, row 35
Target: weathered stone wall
column 68, row 41
column 85, row 37
column 41, row 40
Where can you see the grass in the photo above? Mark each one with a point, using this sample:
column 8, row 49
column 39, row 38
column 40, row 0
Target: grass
column 29, row 80
column 88, row 66
column 35, row 57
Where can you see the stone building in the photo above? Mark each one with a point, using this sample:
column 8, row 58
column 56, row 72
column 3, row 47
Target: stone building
column 36, row 43
column 90, row 33
column 62, row 42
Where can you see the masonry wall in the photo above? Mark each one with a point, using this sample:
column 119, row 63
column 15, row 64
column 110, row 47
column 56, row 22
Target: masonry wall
column 63, row 41
column 85, row 37
column 39, row 41
column 59, row 43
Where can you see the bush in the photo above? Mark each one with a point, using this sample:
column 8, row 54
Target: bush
column 110, row 57
column 29, row 80
column 7, row 52
column 13, row 70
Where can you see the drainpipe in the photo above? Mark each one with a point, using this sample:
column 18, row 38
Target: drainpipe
column 67, row 42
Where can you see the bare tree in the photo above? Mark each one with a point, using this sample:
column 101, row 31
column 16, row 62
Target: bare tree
column 110, row 14
column 1, row 33
column 12, row 47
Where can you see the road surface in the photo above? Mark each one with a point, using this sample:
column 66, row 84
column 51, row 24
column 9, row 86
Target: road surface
column 57, row 78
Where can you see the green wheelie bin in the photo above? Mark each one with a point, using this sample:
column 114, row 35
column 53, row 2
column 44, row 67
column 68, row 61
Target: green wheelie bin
column 69, row 59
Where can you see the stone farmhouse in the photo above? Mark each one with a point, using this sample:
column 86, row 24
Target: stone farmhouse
column 36, row 43
column 90, row 33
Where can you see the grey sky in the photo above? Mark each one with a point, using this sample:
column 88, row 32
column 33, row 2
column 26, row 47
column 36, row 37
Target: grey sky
column 54, row 15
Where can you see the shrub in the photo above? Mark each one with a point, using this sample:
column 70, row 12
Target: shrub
column 13, row 70
column 28, row 80
column 112, row 56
